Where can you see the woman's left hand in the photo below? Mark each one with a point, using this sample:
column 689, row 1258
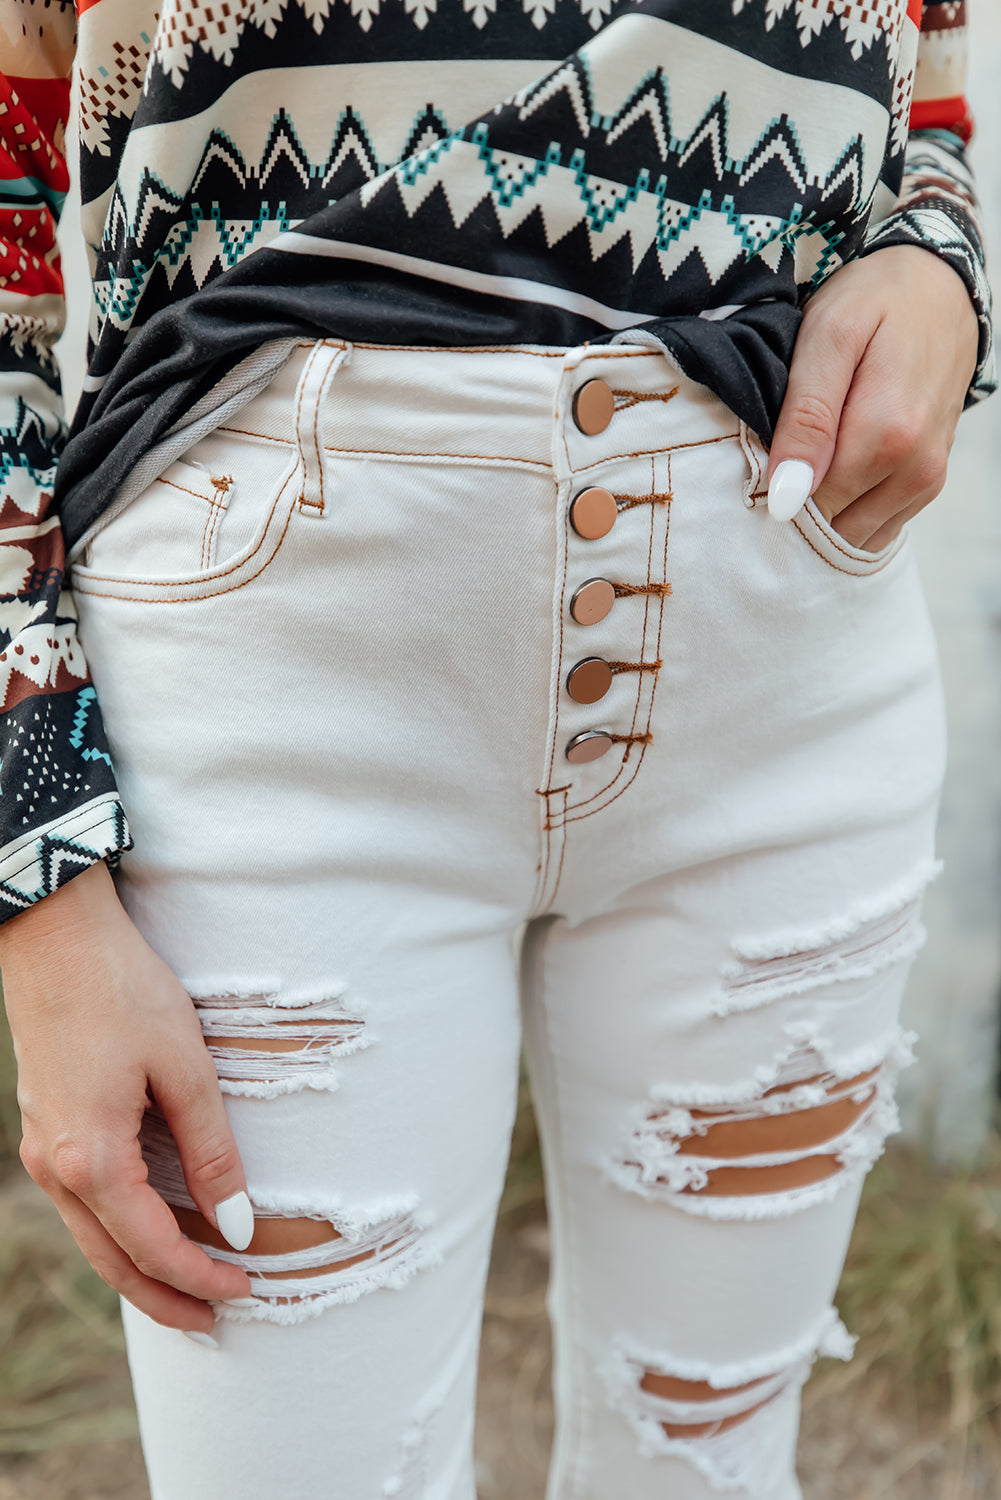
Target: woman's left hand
column 884, row 357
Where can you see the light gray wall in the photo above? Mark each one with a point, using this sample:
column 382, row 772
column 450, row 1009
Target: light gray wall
column 956, row 987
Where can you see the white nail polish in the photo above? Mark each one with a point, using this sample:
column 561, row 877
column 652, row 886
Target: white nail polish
column 235, row 1220
column 205, row 1339
column 241, row 1302
column 789, row 488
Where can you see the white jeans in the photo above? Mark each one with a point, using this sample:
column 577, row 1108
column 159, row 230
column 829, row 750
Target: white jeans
column 333, row 646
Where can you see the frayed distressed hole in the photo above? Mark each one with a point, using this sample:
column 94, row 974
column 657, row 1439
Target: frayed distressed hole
column 794, row 1135
column 258, row 1050
column 285, row 1254
column 807, row 1128
column 686, row 1395
column 787, row 964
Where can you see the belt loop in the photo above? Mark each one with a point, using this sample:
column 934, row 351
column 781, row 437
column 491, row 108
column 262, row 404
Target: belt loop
column 757, row 461
column 324, row 358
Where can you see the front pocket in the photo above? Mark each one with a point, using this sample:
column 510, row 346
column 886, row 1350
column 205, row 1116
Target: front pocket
column 810, row 522
column 210, row 523
column 830, row 545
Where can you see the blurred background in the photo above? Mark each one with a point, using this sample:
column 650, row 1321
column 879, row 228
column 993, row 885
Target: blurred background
column 917, row 1414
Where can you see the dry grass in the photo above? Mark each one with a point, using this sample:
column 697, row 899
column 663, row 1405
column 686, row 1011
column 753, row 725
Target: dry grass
column 62, row 1378
column 922, row 1291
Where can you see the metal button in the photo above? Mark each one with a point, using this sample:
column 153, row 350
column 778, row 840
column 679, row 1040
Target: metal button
column 592, row 513
column 589, row 680
column 592, row 601
column 590, row 745
column 593, row 407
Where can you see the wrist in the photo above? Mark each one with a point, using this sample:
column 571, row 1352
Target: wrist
column 75, row 906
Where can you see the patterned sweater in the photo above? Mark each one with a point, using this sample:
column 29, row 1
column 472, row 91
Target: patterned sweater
column 424, row 171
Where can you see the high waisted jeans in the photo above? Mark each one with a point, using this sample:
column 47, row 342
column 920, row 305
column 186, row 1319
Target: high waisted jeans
column 426, row 645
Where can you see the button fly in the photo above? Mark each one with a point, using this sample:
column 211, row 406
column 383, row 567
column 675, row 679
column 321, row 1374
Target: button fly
column 593, row 513
column 593, row 407
column 589, row 680
column 592, row 601
column 591, row 745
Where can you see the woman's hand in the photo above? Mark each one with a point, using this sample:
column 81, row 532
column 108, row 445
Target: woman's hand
column 98, row 1020
column 884, row 357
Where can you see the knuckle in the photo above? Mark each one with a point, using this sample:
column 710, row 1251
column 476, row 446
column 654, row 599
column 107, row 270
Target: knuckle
column 35, row 1164
column 847, row 335
column 74, row 1167
column 108, row 1271
column 931, row 471
column 812, row 416
column 901, row 439
column 212, row 1160
column 151, row 1266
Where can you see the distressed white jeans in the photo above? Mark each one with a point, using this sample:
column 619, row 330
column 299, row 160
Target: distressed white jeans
column 338, row 650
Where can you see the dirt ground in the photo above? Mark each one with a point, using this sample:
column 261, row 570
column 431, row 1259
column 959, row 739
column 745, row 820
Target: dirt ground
column 856, row 1445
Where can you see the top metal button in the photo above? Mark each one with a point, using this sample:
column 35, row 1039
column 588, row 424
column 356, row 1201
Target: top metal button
column 593, row 407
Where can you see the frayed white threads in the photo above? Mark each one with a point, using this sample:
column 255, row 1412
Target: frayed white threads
column 298, row 1036
column 865, row 953
column 786, row 942
column 270, row 991
column 314, row 1296
column 661, row 1160
column 749, row 1455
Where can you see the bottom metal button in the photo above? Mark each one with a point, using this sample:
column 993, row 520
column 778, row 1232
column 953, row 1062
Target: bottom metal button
column 590, row 745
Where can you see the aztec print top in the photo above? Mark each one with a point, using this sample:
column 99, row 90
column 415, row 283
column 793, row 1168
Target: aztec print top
column 418, row 171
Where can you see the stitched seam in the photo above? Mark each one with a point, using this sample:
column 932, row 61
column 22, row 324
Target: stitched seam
column 215, row 593
column 543, row 1012
column 215, row 505
column 208, row 499
column 866, row 572
column 186, row 582
column 599, row 463
column 316, row 437
column 215, row 518
column 87, row 828
column 639, row 681
column 552, row 352
column 205, row 533
column 265, row 437
column 840, row 545
column 433, row 455
column 756, row 458
column 559, row 649
column 563, row 846
column 305, row 380
column 653, row 691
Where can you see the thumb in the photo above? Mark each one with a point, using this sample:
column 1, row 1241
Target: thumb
column 806, row 433
column 189, row 1096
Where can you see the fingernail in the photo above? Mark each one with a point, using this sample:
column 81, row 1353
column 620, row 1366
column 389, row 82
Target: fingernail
column 235, row 1220
column 205, row 1339
column 789, row 488
column 241, row 1301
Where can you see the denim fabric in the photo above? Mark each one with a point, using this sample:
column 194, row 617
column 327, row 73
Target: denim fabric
column 332, row 644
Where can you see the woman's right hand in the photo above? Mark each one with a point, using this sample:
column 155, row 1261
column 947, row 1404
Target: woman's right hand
column 101, row 1025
